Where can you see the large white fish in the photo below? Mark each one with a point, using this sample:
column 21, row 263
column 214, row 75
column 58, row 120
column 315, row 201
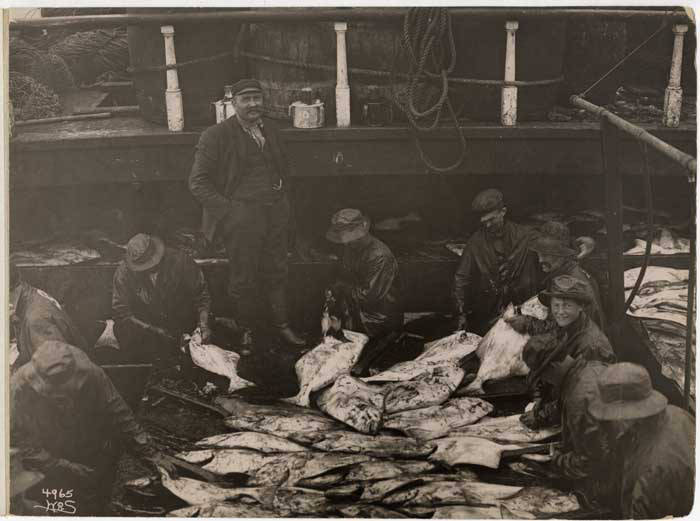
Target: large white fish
column 224, row 510
column 302, row 428
column 323, row 364
column 228, row 461
column 354, row 403
column 447, row 492
column 376, row 470
column 439, row 420
column 461, row 450
column 445, row 351
column 251, row 440
column 217, row 361
column 501, row 349
column 467, row 512
column 542, row 502
column 507, row 429
column 197, row 492
column 433, row 387
column 381, row 446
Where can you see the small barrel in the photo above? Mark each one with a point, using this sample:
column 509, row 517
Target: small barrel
column 201, row 83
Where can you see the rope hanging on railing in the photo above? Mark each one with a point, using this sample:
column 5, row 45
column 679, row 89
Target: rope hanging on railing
column 428, row 44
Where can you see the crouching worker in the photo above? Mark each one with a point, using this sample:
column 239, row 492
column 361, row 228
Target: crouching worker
column 651, row 444
column 367, row 290
column 158, row 294
column 68, row 420
column 575, row 383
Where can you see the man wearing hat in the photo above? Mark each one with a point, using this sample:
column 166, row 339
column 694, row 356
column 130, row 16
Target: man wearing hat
column 158, row 294
column 496, row 267
column 653, row 444
column 36, row 317
column 368, row 284
column 67, row 418
column 240, row 176
column 574, row 381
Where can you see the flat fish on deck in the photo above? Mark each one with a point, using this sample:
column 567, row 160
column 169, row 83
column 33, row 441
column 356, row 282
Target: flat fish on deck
column 55, row 254
column 276, row 472
column 318, row 464
column 196, row 457
column 324, row 481
column 297, row 501
column 542, row 501
column 253, row 441
column 468, row 512
column 501, row 349
column 323, row 364
column 376, row 470
column 354, row 403
column 655, row 275
column 451, row 493
column 301, row 428
column 381, row 446
column 506, row 428
column 369, row 512
column 446, row 351
column 235, row 461
column 344, row 492
column 218, row 361
column 197, row 492
column 439, row 420
column 378, row 490
column 461, row 450
column 433, row 387
column 224, row 510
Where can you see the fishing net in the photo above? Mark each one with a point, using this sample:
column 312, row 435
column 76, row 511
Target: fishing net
column 31, row 99
column 46, row 68
column 90, row 54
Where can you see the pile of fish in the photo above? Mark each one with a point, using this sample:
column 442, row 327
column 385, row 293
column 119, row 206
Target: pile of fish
column 218, row 361
column 661, row 303
column 396, row 444
column 667, row 243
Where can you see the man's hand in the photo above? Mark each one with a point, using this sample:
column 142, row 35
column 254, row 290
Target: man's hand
column 82, row 472
column 520, row 323
column 529, row 419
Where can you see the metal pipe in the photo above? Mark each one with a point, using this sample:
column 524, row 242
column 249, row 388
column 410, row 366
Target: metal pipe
column 509, row 94
column 685, row 160
column 173, row 94
column 338, row 14
column 342, row 87
column 673, row 98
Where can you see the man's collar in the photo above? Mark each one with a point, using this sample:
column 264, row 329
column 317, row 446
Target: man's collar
column 248, row 125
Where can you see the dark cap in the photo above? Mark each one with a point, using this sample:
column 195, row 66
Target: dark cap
column 488, row 201
column 566, row 286
column 556, row 230
column 246, row 85
column 546, row 245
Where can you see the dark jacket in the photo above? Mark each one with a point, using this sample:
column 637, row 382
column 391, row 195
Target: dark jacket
column 480, row 290
column 175, row 303
column 584, row 339
column 372, row 274
column 77, row 429
column 658, row 467
column 217, row 168
column 40, row 318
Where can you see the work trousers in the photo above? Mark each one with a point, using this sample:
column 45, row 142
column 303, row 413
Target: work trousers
column 256, row 236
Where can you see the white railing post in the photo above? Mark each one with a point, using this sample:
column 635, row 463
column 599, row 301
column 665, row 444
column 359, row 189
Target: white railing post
column 674, row 94
column 342, row 87
column 509, row 93
column 173, row 95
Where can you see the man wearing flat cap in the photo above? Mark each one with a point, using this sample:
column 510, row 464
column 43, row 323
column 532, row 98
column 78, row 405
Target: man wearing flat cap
column 496, row 267
column 158, row 294
column 240, row 176
column 574, row 381
column 67, row 419
column 368, row 284
column 652, row 444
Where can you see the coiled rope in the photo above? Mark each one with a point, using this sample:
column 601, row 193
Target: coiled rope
column 428, row 44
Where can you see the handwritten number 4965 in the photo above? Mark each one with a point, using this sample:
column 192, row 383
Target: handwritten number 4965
column 57, row 493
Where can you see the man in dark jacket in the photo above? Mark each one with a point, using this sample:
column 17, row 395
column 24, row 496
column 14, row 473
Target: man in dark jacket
column 575, row 384
column 36, row 317
column 67, row 419
column 240, row 176
column 158, row 294
column 652, row 445
column 368, row 284
column 496, row 267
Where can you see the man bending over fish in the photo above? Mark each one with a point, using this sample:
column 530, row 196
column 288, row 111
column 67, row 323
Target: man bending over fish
column 68, row 420
column 651, row 445
column 367, row 289
column 158, row 294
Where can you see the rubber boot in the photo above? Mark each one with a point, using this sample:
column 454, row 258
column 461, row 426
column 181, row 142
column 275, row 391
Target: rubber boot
column 278, row 309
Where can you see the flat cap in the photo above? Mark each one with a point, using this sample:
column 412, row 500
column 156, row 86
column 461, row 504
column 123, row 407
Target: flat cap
column 488, row 201
column 246, row 85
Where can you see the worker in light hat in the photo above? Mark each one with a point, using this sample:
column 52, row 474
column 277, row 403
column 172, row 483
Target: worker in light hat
column 158, row 293
column 367, row 285
column 652, row 445
column 239, row 176
column 68, row 419
column 496, row 267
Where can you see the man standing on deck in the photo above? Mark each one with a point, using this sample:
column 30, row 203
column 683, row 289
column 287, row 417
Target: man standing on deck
column 496, row 267
column 36, row 317
column 239, row 176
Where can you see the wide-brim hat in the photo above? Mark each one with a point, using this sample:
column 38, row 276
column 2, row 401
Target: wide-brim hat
column 487, row 201
column 347, row 225
column 566, row 286
column 550, row 246
column 144, row 252
column 625, row 393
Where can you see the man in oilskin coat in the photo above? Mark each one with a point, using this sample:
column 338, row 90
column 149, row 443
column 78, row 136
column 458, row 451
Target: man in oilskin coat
column 496, row 267
column 240, row 177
